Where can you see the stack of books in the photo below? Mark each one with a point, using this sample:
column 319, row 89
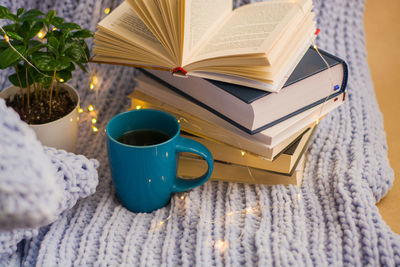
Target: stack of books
column 251, row 88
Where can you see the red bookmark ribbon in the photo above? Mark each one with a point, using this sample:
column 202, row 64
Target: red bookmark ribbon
column 179, row 70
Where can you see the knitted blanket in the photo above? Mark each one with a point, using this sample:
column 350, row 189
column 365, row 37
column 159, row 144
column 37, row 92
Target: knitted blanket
column 331, row 220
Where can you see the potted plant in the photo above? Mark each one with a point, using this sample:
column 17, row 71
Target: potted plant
column 43, row 50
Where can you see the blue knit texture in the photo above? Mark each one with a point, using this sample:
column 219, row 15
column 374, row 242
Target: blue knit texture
column 331, row 220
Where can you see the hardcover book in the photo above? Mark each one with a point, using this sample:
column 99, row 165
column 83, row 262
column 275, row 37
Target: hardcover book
column 283, row 163
column 220, row 129
column 190, row 168
column 255, row 45
column 252, row 110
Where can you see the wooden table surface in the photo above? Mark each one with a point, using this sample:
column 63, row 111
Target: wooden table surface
column 382, row 28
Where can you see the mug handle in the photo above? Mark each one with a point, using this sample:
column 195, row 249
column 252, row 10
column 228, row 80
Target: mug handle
column 191, row 146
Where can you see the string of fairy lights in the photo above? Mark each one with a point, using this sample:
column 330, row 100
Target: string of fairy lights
column 220, row 245
column 90, row 114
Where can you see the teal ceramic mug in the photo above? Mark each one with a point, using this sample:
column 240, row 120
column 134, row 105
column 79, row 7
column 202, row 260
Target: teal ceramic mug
column 145, row 176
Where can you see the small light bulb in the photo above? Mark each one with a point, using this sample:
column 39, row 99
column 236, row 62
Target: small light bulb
column 107, row 10
column 299, row 196
column 179, row 121
column 242, row 152
column 77, row 118
column 91, row 86
column 90, row 108
column 95, row 80
column 80, row 110
column 182, row 197
column 220, row 245
column 95, row 129
column 249, row 210
column 40, row 34
column 138, row 107
column 7, row 38
column 94, row 120
column 61, row 80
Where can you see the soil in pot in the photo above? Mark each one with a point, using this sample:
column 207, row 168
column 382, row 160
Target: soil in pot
column 38, row 112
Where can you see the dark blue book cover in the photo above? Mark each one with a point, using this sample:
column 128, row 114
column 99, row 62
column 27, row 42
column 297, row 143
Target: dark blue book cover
column 309, row 65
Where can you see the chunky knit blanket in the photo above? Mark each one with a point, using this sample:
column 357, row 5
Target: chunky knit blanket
column 331, row 220
column 37, row 183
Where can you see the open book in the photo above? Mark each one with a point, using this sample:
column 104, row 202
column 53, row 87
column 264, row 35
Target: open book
column 256, row 45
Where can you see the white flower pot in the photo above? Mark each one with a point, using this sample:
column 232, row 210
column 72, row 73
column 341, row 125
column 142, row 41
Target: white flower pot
column 61, row 133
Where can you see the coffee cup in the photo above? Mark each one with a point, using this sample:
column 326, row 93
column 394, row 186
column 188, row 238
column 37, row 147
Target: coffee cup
column 143, row 149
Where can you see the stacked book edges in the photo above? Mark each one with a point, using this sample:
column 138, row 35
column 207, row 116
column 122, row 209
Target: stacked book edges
column 234, row 163
column 231, row 64
column 254, row 136
column 314, row 81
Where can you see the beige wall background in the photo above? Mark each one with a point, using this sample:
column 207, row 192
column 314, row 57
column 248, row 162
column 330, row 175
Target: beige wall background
column 382, row 29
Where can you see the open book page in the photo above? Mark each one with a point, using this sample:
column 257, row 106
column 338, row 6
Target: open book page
column 169, row 12
column 108, row 49
column 251, row 29
column 267, row 78
column 201, row 18
column 294, row 49
column 124, row 24
column 151, row 14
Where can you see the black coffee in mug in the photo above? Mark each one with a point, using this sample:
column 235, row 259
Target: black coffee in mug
column 143, row 137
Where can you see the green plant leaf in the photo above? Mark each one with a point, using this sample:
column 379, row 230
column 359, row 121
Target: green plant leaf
column 71, row 67
column 25, row 29
column 45, row 81
column 50, row 16
column 9, row 57
column 69, row 26
column 63, row 63
column 14, row 35
column 81, row 66
column 53, row 42
column 34, row 43
column 61, row 40
column 82, row 34
column 31, row 14
column 43, row 61
column 34, row 49
column 5, row 13
column 74, row 52
column 3, row 44
column 36, row 28
column 66, row 75
column 13, row 42
column 57, row 21
column 13, row 78
column 22, row 77
column 86, row 50
column 34, row 74
column 10, row 27
column 20, row 11
column 76, row 48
